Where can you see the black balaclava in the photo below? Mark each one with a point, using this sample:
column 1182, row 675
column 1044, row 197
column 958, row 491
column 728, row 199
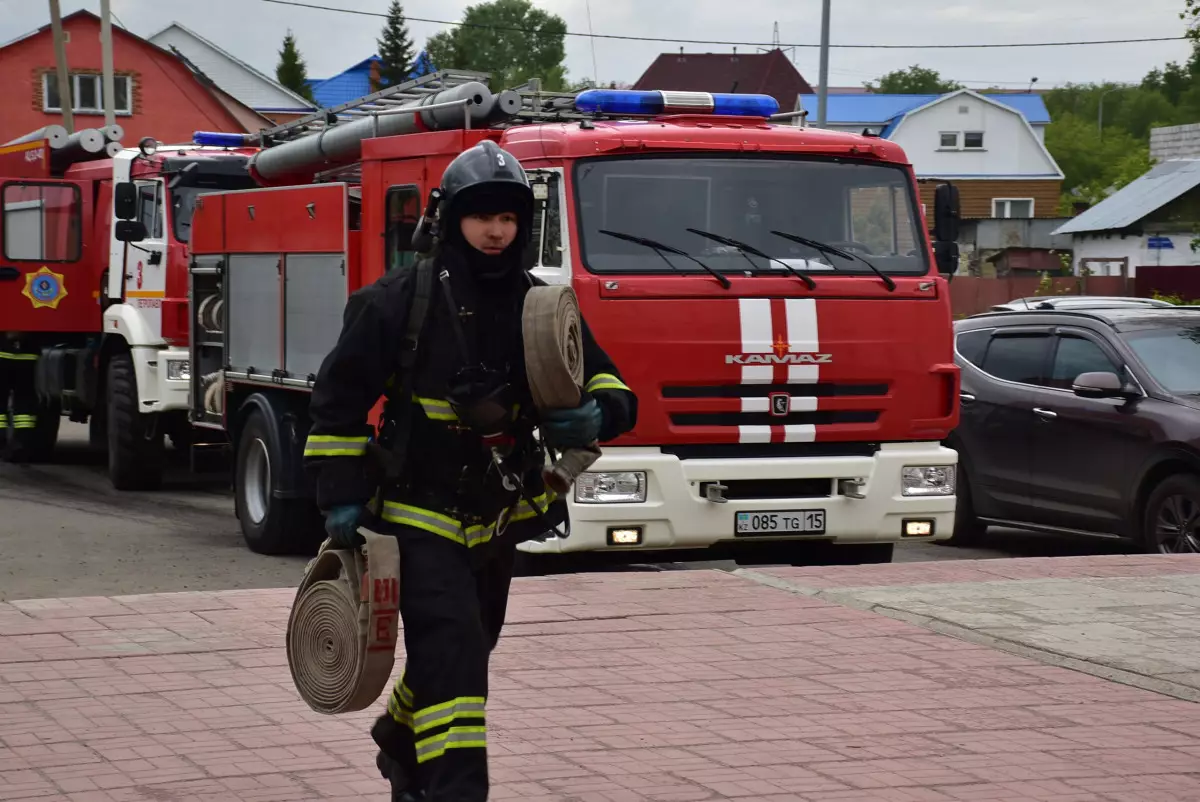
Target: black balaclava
column 488, row 200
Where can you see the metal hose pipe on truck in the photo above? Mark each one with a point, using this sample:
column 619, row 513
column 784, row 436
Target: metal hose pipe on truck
column 342, row 144
column 81, row 146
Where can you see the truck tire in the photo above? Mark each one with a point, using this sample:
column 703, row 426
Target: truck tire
column 270, row 525
column 135, row 443
column 968, row 529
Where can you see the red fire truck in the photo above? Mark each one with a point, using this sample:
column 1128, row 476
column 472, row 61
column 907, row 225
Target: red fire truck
column 768, row 290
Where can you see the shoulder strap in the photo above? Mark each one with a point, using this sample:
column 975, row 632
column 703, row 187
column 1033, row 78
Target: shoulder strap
column 409, row 348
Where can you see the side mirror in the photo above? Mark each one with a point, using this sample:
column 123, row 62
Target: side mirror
column 129, row 231
column 945, row 213
column 125, row 198
column 946, row 256
column 1098, row 385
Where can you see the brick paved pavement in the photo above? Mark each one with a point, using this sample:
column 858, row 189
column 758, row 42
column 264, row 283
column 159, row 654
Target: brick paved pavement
column 674, row 686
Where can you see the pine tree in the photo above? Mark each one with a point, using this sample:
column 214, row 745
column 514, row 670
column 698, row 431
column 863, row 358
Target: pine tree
column 396, row 50
column 291, row 71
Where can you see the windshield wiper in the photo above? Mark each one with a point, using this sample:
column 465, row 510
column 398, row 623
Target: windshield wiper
column 822, row 247
column 745, row 249
column 659, row 248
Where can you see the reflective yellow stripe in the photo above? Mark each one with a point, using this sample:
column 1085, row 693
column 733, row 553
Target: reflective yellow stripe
column 606, row 381
column 462, row 707
column 24, row 421
column 327, row 445
column 3, row 421
column 436, row 408
column 524, row 512
column 18, row 357
column 454, row 738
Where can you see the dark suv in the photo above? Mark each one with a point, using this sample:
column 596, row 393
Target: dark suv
column 1081, row 422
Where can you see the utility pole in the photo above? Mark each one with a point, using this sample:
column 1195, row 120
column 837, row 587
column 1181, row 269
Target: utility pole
column 823, row 92
column 106, row 59
column 60, row 56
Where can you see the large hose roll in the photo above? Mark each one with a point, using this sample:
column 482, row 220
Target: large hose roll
column 343, row 626
column 552, row 330
column 342, row 144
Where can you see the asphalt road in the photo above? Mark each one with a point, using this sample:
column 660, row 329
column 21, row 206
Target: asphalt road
column 65, row 532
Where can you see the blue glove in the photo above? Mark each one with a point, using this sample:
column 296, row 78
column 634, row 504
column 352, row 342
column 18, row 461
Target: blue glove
column 573, row 428
column 342, row 525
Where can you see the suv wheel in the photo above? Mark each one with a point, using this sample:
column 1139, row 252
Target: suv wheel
column 1172, row 521
column 968, row 529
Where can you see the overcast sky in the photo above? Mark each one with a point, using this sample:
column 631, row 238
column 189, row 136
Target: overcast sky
column 330, row 41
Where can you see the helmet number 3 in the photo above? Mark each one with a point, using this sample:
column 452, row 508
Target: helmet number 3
column 500, row 159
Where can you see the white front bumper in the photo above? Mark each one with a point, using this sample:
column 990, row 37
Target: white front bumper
column 676, row 515
column 157, row 392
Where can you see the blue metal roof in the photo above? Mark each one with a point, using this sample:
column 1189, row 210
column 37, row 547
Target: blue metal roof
column 355, row 82
column 874, row 109
column 1163, row 184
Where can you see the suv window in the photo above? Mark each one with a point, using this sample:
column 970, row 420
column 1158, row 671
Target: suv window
column 971, row 345
column 1017, row 358
column 1074, row 356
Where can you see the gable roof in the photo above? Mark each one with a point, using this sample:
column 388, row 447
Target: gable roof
column 768, row 73
column 871, row 109
column 355, row 81
column 237, row 78
column 1164, row 183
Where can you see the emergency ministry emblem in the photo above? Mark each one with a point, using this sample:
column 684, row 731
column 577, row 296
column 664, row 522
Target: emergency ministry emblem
column 45, row 288
column 781, row 404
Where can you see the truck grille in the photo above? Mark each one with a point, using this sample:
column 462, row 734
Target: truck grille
column 751, row 489
column 767, row 419
column 820, row 390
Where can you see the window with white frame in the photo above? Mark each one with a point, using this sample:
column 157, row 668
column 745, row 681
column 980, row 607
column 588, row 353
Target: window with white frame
column 87, row 93
column 973, row 140
column 949, row 140
column 1012, row 207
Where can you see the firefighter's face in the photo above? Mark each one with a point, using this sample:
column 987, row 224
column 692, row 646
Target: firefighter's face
column 490, row 233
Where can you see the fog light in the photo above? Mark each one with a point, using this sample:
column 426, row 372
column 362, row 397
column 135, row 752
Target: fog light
column 628, row 487
column 179, row 369
column 628, row 536
column 928, row 480
column 918, row 528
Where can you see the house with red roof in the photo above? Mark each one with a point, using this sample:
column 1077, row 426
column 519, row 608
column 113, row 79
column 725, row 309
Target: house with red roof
column 770, row 73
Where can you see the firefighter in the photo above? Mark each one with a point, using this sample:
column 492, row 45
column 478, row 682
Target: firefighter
column 469, row 485
column 18, row 415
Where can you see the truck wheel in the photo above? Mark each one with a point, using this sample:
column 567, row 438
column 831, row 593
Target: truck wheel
column 135, row 443
column 270, row 525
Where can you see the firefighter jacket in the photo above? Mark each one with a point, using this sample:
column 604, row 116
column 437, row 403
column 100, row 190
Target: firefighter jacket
column 449, row 484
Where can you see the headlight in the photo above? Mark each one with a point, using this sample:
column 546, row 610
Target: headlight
column 928, row 480
column 611, row 488
column 179, row 369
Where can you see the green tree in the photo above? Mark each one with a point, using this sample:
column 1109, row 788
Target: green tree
column 396, row 51
column 509, row 39
column 916, row 80
column 291, row 71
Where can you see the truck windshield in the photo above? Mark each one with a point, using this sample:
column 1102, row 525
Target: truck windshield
column 867, row 209
column 183, row 200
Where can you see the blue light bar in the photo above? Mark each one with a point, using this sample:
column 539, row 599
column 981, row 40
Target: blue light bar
column 219, row 140
column 653, row 103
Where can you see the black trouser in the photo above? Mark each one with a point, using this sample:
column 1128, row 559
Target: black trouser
column 434, row 733
column 17, row 379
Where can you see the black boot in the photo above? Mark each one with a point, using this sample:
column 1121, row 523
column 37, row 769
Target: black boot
column 402, row 790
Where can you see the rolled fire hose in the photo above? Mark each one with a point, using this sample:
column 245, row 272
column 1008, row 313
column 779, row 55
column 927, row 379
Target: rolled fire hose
column 342, row 631
column 553, row 334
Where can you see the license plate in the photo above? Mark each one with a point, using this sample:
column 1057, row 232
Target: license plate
column 784, row 522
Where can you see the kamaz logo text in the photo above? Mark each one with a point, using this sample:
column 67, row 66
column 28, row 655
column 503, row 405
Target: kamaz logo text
column 778, row 359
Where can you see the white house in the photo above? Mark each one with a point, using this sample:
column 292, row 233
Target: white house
column 1147, row 224
column 254, row 89
column 991, row 146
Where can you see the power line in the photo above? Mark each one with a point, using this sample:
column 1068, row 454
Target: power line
column 674, row 40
